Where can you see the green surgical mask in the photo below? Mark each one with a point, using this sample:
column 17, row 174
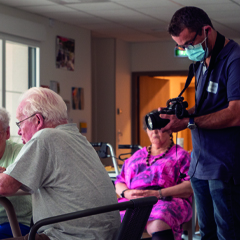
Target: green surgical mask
column 196, row 52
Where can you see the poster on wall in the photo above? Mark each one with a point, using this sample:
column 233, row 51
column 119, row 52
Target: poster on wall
column 77, row 98
column 83, row 127
column 55, row 86
column 65, row 53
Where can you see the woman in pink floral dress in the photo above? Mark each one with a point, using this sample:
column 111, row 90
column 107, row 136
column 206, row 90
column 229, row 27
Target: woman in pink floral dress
column 155, row 171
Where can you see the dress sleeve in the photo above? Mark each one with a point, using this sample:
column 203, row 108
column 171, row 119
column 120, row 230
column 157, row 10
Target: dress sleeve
column 127, row 171
column 121, row 176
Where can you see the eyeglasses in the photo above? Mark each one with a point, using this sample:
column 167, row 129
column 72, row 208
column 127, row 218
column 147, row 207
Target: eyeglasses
column 18, row 123
column 186, row 46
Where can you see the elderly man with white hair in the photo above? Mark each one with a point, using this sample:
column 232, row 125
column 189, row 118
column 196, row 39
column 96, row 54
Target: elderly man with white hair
column 61, row 170
column 22, row 205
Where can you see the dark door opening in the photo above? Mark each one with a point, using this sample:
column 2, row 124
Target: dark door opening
column 152, row 90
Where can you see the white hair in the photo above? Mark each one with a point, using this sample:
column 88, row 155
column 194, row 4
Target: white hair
column 4, row 118
column 46, row 102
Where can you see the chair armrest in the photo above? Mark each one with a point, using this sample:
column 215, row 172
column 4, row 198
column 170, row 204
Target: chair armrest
column 12, row 218
column 92, row 211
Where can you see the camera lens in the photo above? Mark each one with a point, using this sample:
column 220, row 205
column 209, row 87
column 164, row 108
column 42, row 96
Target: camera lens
column 149, row 123
column 153, row 121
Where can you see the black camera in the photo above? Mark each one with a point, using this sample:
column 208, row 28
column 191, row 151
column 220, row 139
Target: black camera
column 174, row 106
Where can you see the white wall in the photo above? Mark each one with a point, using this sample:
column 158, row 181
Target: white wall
column 111, row 91
column 123, row 94
column 80, row 77
column 20, row 24
column 156, row 56
column 103, row 79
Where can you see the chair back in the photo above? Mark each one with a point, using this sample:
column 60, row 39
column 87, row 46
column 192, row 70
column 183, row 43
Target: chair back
column 135, row 219
column 131, row 228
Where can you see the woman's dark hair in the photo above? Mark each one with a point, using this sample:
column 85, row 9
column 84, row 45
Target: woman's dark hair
column 192, row 18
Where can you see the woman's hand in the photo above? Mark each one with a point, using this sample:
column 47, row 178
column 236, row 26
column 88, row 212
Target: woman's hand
column 134, row 193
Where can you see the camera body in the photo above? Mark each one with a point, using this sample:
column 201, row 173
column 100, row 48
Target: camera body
column 174, row 106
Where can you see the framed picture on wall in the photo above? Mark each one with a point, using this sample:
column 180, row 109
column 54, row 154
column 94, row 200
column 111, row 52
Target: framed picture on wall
column 65, row 56
column 55, row 86
column 77, row 98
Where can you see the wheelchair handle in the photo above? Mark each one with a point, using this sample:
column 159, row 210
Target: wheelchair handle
column 96, row 144
column 127, row 146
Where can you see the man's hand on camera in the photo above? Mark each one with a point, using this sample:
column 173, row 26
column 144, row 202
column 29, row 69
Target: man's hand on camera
column 175, row 124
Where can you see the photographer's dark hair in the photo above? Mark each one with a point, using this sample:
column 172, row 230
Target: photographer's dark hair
column 192, row 18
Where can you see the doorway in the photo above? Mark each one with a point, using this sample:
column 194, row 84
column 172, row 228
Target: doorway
column 151, row 91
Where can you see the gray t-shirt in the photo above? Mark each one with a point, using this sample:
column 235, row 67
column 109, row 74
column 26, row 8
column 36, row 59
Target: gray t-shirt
column 64, row 174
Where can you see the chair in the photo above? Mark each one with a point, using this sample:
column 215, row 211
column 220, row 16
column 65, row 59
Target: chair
column 190, row 226
column 103, row 153
column 12, row 218
column 133, row 148
column 131, row 228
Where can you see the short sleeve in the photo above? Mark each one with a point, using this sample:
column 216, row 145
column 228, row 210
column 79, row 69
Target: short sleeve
column 33, row 162
column 121, row 177
column 233, row 83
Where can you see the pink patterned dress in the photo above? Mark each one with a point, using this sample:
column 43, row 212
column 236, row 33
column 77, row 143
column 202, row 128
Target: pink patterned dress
column 163, row 173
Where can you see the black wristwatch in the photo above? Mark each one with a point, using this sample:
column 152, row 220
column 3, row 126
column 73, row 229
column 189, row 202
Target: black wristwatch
column 122, row 194
column 191, row 124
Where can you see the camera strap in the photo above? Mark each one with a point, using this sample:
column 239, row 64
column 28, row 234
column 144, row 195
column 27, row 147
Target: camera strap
column 192, row 69
column 219, row 44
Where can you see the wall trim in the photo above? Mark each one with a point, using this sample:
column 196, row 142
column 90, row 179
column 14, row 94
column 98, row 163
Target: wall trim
column 22, row 28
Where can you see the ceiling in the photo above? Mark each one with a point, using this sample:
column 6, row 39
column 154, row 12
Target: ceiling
column 131, row 20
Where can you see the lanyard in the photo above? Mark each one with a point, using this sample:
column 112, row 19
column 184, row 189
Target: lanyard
column 219, row 44
column 192, row 69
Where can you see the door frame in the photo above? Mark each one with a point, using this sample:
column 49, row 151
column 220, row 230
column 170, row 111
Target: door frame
column 135, row 98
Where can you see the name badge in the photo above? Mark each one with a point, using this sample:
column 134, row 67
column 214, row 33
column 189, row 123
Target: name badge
column 212, row 87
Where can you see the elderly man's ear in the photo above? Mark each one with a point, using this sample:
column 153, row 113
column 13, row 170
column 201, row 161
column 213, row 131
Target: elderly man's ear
column 40, row 122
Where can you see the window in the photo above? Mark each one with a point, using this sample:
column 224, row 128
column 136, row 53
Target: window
column 20, row 71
